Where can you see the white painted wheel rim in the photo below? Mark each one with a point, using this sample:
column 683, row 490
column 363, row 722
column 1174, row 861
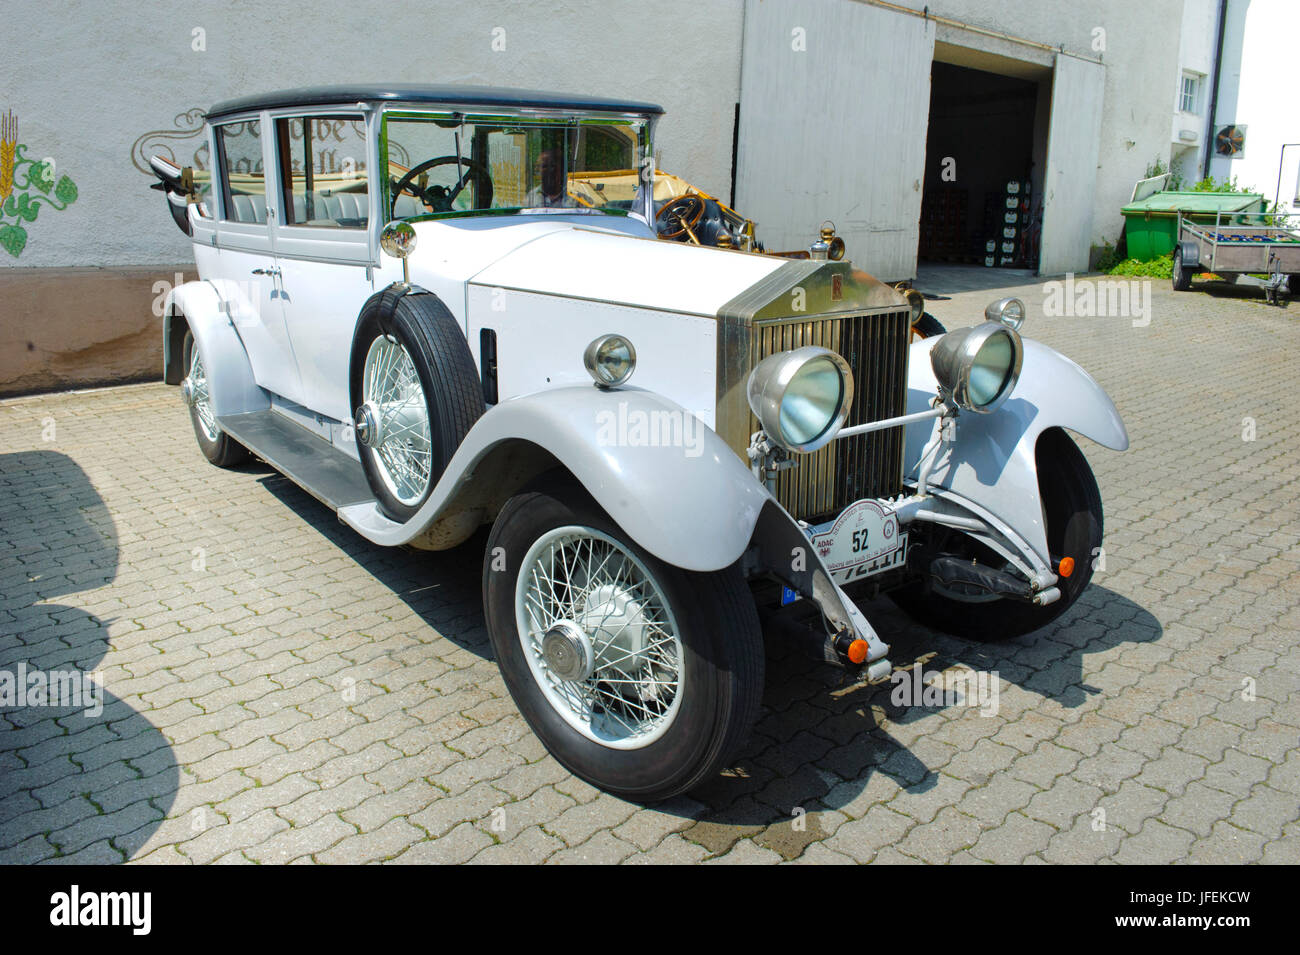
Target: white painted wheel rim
column 202, row 400
column 580, row 577
column 403, row 455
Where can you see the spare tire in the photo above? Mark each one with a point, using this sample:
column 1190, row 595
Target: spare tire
column 416, row 394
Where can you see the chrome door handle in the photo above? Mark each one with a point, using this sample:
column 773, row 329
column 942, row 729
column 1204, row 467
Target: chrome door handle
column 266, row 271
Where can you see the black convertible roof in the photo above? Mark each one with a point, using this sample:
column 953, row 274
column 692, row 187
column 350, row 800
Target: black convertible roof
column 439, row 95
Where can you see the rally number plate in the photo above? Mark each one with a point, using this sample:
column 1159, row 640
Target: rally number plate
column 863, row 540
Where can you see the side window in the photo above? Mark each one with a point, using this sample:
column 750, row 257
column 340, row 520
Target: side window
column 323, row 168
column 243, row 178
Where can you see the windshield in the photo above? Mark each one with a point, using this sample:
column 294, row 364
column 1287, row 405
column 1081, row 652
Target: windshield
column 443, row 165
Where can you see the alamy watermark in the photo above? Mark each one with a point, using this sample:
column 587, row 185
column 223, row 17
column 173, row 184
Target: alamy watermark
column 957, row 686
column 656, row 428
column 1091, row 298
column 75, row 689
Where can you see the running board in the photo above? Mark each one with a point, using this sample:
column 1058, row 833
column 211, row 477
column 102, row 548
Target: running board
column 331, row 476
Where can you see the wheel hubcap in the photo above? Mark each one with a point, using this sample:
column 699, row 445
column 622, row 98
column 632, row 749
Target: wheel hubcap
column 393, row 420
column 567, row 651
column 599, row 637
column 367, row 424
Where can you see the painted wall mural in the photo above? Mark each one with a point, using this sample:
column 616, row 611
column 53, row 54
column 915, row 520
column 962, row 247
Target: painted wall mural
column 184, row 144
column 26, row 185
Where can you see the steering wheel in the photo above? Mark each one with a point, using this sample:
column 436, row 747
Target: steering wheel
column 687, row 210
column 440, row 198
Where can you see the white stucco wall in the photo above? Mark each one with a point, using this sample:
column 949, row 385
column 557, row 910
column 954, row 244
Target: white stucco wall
column 85, row 79
column 1257, row 89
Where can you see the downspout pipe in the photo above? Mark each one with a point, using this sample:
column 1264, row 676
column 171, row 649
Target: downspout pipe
column 1214, row 90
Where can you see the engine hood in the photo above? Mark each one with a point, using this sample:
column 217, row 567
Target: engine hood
column 636, row 271
column 618, row 261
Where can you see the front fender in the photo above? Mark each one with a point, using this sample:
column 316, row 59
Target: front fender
column 230, row 376
column 656, row 469
column 991, row 464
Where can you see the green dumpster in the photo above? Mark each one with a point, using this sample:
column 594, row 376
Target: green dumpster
column 1151, row 224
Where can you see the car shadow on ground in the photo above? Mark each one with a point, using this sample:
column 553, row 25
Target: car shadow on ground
column 820, row 737
column 78, row 777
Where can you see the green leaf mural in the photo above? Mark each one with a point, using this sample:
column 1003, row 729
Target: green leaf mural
column 25, row 186
column 42, row 177
column 66, row 191
column 13, row 239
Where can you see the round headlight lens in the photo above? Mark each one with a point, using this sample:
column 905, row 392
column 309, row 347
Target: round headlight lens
column 978, row 367
column 812, row 400
column 801, row 397
column 989, row 371
column 610, row 360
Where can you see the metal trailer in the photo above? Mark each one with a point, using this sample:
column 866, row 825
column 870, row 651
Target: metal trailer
column 1232, row 247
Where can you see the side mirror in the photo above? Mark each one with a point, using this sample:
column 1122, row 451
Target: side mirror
column 397, row 239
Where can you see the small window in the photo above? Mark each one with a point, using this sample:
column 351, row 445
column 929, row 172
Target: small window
column 1189, row 98
column 243, row 176
column 323, row 168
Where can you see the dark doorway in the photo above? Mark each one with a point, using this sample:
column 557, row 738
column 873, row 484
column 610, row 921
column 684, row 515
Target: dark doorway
column 981, row 204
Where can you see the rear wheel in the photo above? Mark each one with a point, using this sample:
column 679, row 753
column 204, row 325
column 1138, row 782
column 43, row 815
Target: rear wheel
column 217, row 446
column 1293, row 285
column 639, row 677
column 1182, row 276
column 1072, row 509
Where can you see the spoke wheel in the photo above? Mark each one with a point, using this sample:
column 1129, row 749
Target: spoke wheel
column 638, row 676
column 217, row 446
column 399, row 420
column 198, row 375
column 599, row 637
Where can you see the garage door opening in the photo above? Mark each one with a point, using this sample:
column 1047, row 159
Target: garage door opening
column 982, row 195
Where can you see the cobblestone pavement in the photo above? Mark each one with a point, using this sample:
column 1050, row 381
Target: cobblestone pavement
column 278, row 690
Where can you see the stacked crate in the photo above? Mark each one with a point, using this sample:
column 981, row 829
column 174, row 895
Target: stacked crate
column 943, row 225
column 1006, row 215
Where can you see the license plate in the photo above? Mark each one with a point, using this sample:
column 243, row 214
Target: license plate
column 863, row 540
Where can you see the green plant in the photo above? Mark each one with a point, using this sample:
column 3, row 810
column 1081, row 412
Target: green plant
column 1161, row 268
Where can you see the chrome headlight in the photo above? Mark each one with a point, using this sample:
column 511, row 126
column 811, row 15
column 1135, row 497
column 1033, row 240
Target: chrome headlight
column 1009, row 311
column 610, row 360
column 801, row 397
column 978, row 367
column 915, row 301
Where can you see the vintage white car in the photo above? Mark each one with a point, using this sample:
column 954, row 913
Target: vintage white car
column 439, row 308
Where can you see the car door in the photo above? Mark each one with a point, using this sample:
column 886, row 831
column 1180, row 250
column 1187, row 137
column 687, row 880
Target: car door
column 323, row 244
column 248, row 280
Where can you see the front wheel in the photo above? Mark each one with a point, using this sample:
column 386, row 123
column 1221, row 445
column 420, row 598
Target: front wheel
column 1072, row 510
column 639, row 677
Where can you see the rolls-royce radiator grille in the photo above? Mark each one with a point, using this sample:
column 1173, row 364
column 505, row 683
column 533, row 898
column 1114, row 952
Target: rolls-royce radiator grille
column 866, row 465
